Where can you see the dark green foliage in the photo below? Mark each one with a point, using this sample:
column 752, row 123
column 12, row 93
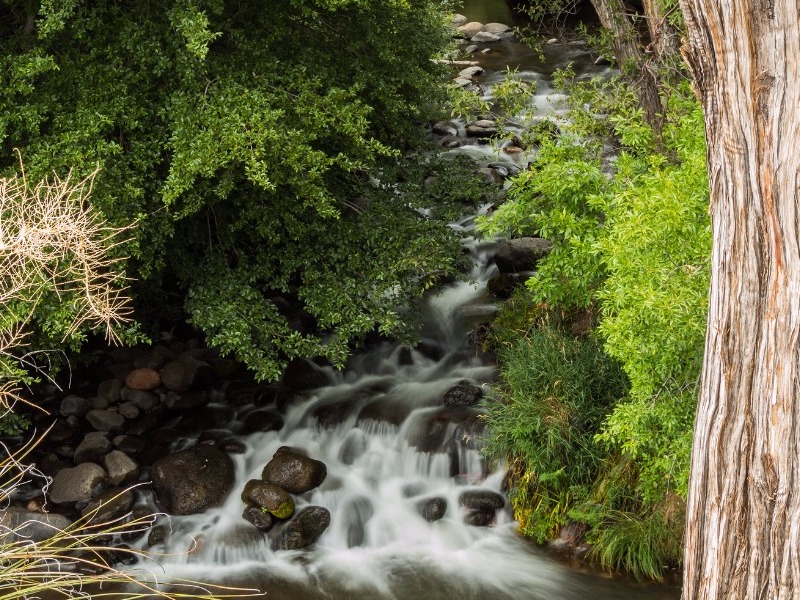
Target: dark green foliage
column 239, row 137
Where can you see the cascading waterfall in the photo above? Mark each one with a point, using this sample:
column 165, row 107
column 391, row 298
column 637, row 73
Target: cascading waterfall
column 390, row 446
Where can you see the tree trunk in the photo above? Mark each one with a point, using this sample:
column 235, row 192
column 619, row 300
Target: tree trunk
column 631, row 60
column 743, row 527
column 664, row 41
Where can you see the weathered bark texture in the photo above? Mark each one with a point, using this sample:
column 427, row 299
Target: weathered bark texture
column 630, row 56
column 743, row 528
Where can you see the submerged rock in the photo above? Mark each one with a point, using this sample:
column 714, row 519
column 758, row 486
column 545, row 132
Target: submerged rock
column 482, row 499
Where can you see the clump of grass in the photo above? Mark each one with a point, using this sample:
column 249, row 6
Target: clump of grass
column 644, row 545
column 555, row 390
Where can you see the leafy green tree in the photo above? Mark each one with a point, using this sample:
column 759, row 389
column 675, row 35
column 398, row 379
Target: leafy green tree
column 245, row 140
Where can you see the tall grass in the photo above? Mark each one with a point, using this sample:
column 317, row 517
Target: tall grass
column 555, row 390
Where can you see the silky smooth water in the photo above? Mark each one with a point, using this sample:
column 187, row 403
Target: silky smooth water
column 388, row 443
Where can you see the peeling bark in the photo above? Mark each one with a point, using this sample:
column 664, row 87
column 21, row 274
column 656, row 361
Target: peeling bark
column 743, row 524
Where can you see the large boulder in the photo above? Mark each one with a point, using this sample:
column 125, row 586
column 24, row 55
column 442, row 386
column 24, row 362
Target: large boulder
column 193, row 480
column 303, row 530
column 75, row 405
column 520, row 254
column 105, row 420
column 186, row 373
column 471, row 28
column 260, row 519
column 294, row 472
column 77, row 486
column 268, row 496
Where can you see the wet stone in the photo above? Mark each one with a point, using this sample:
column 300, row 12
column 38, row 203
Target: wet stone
column 259, row 518
column 482, row 499
column 431, row 509
column 75, row 406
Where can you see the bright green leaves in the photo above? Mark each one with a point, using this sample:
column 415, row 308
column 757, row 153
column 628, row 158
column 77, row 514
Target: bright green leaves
column 192, row 24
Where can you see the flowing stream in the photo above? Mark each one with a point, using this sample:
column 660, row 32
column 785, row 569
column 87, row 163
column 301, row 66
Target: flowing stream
column 389, row 444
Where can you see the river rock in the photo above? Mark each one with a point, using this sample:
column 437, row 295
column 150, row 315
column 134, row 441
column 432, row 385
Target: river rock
column 143, row 379
column 92, row 448
column 356, row 512
column 520, row 254
column 431, row 509
column 302, row 374
column 482, row 499
column 470, row 72
column 191, row 481
column 157, row 358
column 142, row 399
column 186, row 400
column 18, row 524
column 105, row 420
column 186, row 373
column 128, row 410
column 111, row 505
column 496, row 28
column 463, row 394
column 294, row 472
column 260, row 519
column 444, row 128
column 110, row 390
column 303, row 530
column 275, row 500
column 476, row 131
column 120, row 467
column 77, row 486
column 502, row 285
column 478, row 518
column 459, row 20
column 483, row 37
column 74, row 406
column 263, row 420
column 471, row 29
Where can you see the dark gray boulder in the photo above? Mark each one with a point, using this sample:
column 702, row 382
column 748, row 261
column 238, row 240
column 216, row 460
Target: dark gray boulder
column 294, row 472
column 263, row 420
column 479, row 518
column 105, row 420
column 193, row 480
column 186, row 373
column 303, row 530
column 302, row 374
column 520, row 254
column 94, row 446
column 75, row 406
column 111, row 505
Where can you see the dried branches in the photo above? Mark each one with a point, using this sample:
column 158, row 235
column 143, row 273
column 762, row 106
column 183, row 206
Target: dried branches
column 52, row 240
column 53, row 243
